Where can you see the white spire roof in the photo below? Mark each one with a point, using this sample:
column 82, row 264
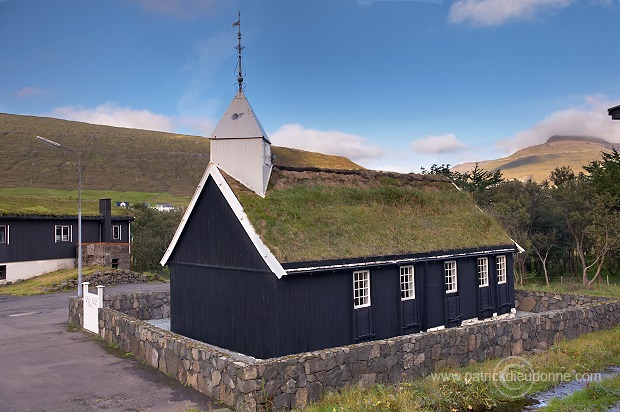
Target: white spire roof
column 239, row 121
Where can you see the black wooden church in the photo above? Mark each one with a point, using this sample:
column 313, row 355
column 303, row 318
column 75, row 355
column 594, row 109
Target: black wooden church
column 269, row 260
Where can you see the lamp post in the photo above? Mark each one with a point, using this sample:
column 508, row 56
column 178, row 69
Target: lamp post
column 79, row 157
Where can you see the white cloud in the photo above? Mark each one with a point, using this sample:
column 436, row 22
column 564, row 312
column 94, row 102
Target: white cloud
column 193, row 125
column 445, row 143
column 352, row 146
column 496, row 12
column 590, row 120
column 29, row 91
column 112, row 115
column 187, row 9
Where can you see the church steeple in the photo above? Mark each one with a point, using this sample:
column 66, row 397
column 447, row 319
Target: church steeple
column 239, row 50
column 239, row 144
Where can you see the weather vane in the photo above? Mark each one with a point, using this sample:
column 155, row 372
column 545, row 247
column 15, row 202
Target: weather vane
column 239, row 49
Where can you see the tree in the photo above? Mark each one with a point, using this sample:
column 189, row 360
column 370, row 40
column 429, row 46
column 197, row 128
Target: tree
column 509, row 203
column 480, row 179
column 545, row 224
column 605, row 176
column 476, row 180
column 152, row 232
column 561, row 175
column 591, row 227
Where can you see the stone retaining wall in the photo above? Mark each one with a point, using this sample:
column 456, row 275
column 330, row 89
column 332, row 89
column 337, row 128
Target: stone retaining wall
column 142, row 306
column 249, row 384
column 530, row 301
column 106, row 278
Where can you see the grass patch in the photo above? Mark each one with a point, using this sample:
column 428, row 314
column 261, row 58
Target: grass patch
column 38, row 285
column 598, row 396
column 593, row 352
column 52, row 202
column 575, row 287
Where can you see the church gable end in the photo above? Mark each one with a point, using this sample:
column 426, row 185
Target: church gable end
column 213, row 236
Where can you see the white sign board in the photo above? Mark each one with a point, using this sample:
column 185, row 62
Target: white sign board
column 92, row 302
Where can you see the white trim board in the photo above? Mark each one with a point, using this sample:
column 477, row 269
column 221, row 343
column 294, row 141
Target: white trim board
column 213, row 171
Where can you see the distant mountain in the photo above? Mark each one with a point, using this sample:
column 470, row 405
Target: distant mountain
column 116, row 158
column 537, row 162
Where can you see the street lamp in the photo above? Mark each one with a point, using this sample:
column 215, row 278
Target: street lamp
column 79, row 156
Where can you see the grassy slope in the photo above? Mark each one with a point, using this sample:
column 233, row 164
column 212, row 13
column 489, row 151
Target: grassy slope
column 537, row 162
column 122, row 164
column 116, row 158
column 329, row 218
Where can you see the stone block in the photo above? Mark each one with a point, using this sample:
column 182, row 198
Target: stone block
column 301, row 398
column 282, row 402
column 246, row 403
column 315, row 391
column 527, row 304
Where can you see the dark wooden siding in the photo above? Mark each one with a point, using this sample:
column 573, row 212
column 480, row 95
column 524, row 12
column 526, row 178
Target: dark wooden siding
column 316, row 311
column 33, row 239
column 213, row 235
column 510, row 278
column 232, row 309
column 468, row 287
column 435, row 291
column 124, row 231
column 385, row 290
column 222, row 292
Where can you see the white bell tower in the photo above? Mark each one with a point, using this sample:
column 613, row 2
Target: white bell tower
column 239, row 144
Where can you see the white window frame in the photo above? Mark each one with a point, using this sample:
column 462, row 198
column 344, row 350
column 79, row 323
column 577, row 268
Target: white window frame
column 500, row 261
column 483, row 272
column 64, row 237
column 407, row 282
column 451, row 276
column 361, row 289
column 4, row 229
column 118, row 233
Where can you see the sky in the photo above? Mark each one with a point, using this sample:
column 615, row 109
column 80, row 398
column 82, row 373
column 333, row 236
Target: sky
column 391, row 84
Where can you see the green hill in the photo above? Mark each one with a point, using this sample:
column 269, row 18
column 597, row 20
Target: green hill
column 115, row 158
column 536, row 162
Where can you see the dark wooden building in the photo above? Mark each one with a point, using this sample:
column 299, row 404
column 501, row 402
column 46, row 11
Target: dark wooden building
column 614, row 112
column 31, row 245
column 326, row 258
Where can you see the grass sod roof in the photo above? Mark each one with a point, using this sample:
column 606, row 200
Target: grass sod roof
column 314, row 214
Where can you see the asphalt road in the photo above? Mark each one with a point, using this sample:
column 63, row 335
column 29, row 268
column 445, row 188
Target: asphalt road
column 46, row 367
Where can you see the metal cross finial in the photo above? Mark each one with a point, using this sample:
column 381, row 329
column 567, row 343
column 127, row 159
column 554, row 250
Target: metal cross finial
column 239, row 49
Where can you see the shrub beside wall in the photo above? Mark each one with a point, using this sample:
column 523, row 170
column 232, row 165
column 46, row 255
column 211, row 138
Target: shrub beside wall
column 249, row 384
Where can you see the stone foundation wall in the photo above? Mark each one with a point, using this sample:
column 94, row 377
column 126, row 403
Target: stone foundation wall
column 103, row 254
column 249, row 384
column 529, row 301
